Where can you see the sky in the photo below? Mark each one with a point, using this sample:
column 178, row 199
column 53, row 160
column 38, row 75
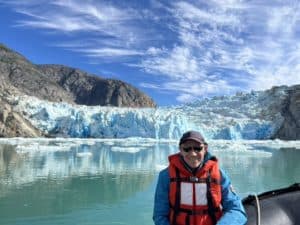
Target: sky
column 173, row 51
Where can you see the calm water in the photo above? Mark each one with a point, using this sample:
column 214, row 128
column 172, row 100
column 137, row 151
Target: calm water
column 109, row 182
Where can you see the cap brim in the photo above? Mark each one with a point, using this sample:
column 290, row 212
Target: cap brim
column 193, row 139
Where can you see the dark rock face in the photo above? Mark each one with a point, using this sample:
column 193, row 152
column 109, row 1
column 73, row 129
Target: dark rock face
column 60, row 83
column 19, row 73
column 290, row 110
column 91, row 90
column 12, row 124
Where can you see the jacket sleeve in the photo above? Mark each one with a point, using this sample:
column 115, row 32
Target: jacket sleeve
column 161, row 199
column 233, row 210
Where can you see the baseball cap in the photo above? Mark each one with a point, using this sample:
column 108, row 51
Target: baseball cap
column 192, row 135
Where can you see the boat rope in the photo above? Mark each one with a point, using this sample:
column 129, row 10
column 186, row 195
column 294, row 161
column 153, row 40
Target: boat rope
column 257, row 210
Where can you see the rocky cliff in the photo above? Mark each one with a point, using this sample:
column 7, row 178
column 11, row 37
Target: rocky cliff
column 56, row 83
column 12, row 123
column 60, row 83
column 289, row 108
column 90, row 90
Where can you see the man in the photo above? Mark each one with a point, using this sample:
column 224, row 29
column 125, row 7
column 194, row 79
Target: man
column 193, row 190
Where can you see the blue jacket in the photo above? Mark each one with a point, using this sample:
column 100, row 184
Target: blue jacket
column 233, row 210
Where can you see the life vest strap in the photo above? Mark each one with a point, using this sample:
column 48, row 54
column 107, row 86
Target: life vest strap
column 177, row 201
column 194, row 180
column 211, row 208
column 196, row 211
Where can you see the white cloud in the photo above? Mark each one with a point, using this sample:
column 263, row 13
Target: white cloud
column 204, row 88
column 152, row 86
column 60, row 23
column 281, row 74
column 178, row 64
column 110, row 52
column 239, row 37
column 187, row 91
column 98, row 11
column 156, row 51
column 186, row 98
column 189, row 64
column 197, row 15
column 282, row 20
column 199, row 47
column 99, row 19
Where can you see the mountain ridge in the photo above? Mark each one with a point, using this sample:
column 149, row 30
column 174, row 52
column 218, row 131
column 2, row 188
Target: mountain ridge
column 19, row 77
column 258, row 115
column 59, row 83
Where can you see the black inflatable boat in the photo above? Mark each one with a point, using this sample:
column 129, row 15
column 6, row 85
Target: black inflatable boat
column 277, row 207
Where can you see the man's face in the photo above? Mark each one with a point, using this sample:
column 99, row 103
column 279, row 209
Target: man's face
column 193, row 152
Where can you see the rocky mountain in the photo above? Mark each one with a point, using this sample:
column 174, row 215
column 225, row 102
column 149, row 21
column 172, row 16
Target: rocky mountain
column 289, row 107
column 12, row 123
column 279, row 106
column 56, row 83
column 64, row 84
column 257, row 115
column 87, row 89
column 276, row 111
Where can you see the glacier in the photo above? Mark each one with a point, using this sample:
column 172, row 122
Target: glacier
column 241, row 116
column 66, row 120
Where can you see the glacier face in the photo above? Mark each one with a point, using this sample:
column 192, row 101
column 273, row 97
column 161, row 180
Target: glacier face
column 65, row 120
column 242, row 116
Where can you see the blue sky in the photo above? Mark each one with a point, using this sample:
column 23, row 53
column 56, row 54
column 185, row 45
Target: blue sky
column 174, row 51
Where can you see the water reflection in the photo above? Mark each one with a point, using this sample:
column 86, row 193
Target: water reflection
column 8, row 155
column 252, row 165
column 45, row 180
column 49, row 196
column 265, row 169
column 26, row 163
column 62, row 178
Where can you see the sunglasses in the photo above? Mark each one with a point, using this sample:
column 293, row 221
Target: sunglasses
column 188, row 149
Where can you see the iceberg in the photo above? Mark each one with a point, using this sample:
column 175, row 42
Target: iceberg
column 238, row 117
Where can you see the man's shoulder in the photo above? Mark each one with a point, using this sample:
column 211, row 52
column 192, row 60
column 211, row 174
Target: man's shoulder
column 225, row 180
column 164, row 177
column 164, row 172
column 223, row 173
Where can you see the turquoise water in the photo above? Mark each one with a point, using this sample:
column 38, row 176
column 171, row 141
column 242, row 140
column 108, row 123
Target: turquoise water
column 109, row 182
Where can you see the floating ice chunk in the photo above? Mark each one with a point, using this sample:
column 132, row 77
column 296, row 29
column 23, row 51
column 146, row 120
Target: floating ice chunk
column 84, row 154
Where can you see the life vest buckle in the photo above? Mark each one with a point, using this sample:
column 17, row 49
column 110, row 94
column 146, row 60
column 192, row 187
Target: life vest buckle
column 194, row 179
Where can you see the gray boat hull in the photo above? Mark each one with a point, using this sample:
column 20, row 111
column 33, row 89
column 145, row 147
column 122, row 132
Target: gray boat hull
column 277, row 207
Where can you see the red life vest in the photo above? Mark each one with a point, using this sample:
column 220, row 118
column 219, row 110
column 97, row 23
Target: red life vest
column 194, row 199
